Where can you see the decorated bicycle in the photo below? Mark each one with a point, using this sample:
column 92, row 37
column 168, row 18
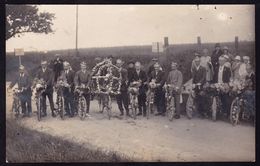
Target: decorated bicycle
column 106, row 83
column 150, row 97
column 40, row 87
column 82, row 103
column 60, row 86
column 170, row 101
column 133, row 91
column 16, row 105
column 240, row 108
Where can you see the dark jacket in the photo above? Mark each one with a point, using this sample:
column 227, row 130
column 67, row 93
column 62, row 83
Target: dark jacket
column 199, row 76
column 226, row 75
column 23, row 82
column 124, row 80
column 130, row 74
column 159, row 78
column 142, row 76
column 69, row 77
column 57, row 65
column 250, row 79
column 47, row 76
column 82, row 78
column 214, row 59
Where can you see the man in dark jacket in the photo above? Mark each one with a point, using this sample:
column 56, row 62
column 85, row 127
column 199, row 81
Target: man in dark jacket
column 57, row 66
column 24, row 84
column 151, row 67
column 223, row 75
column 122, row 98
column 140, row 75
column 47, row 75
column 68, row 76
column 198, row 80
column 158, row 77
column 130, row 70
column 214, row 59
column 83, row 77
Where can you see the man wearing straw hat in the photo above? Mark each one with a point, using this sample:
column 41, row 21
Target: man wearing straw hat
column 24, row 84
column 47, row 75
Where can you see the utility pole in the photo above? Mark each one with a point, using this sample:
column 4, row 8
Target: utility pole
column 77, row 52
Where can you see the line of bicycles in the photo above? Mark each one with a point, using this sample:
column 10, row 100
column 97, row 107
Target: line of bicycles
column 238, row 109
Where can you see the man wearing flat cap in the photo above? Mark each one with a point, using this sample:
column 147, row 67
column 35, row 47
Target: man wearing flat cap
column 214, row 57
column 159, row 78
column 24, row 84
column 175, row 79
column 47, row 75
column 151, row 67
column 83, row 77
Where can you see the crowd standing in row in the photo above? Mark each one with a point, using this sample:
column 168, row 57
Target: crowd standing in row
column 220, row 67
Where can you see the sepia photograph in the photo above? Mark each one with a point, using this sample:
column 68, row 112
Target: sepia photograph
column 130, row 83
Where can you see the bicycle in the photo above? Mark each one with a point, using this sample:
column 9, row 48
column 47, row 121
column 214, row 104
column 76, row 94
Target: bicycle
column 150, row 97
column 39, row 90
column 82, row 102
column 16, row 105
column 190, row 105
column 170, row 101
column 133, row 91
column 60, row 86
column 239, row 109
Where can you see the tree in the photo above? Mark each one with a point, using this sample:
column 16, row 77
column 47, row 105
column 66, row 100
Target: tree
column 26, row 18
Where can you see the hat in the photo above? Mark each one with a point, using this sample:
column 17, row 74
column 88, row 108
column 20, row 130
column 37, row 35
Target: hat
column 83, row 64
column 97, row 58
column 154, row 59
column 44, row 62
column 246, row 57
column 225, row 48
column 238, row 58
column 217, row 45
column 21, row 67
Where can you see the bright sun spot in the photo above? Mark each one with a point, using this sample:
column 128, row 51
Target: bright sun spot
column 222, row 16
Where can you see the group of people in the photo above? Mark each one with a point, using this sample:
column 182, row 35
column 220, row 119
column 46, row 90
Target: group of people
column 220, row 67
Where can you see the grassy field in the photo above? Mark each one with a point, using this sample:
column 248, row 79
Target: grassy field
column 181, row 53
column 24, row 145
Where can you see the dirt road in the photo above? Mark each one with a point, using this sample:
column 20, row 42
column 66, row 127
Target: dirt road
column 156, row 139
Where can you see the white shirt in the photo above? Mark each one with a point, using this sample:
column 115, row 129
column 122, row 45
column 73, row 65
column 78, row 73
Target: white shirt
column 44, row 69
column 22, row 74
column 220, row 74
column 138, row 72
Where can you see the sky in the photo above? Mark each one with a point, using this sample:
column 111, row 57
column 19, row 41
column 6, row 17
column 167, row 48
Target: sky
column 123, row 25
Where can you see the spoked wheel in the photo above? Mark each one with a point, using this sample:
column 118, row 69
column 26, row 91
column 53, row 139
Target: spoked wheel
column 82, row 107
column 149, row 107
column 39, row 105
column 171, row 109
column 16, row 109
column 190, row 106
column 61, row 106
column 109, row 108
column 234, row 112
column 214, row 108
column 134, row 106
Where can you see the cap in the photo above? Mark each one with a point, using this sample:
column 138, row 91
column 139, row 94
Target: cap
column 119, row 61
column 154, row 59
column 97, row 58
column 83, row 64
column 238, row 58
column 225, row 48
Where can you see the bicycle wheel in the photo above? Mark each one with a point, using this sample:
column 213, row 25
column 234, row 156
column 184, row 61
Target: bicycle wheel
column 39, row 108
column 109, row 108
column 234, row 112
column 190, row 106
column 82, row 107
column 61, row 106
column 15, row 110
column 134, row 106
column 149, row 107
column 171, row 109
column 214, row 108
